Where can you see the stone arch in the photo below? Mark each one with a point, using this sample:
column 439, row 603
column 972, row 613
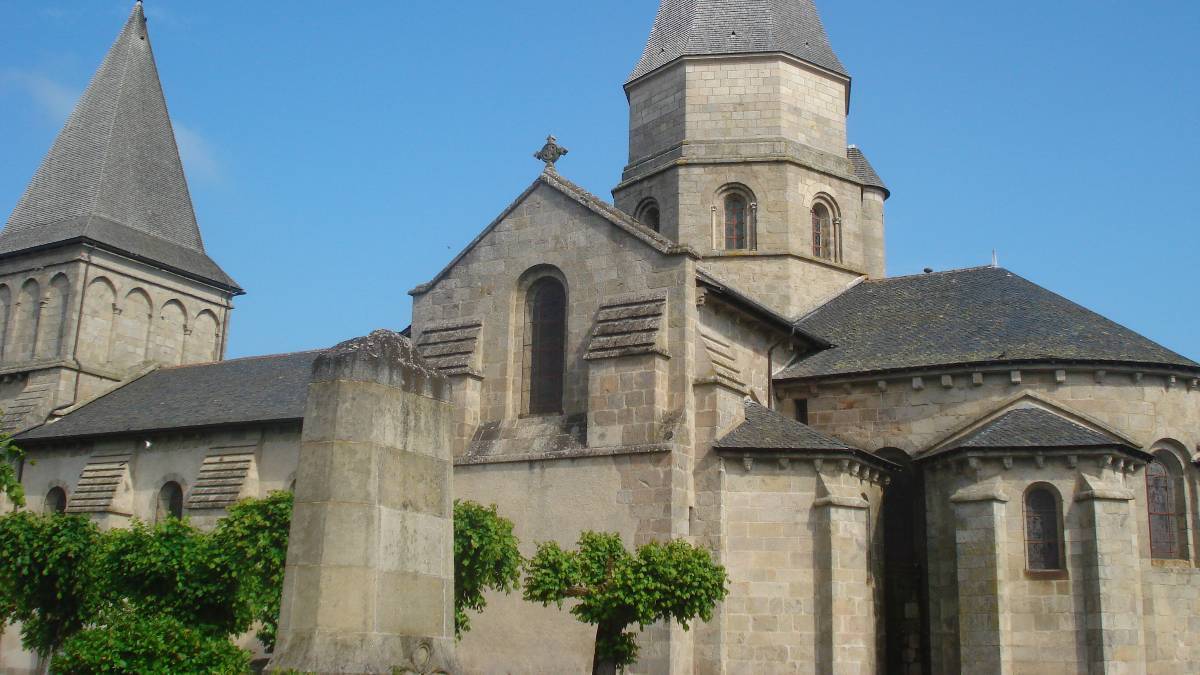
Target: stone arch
column 55, row 500
column 5, row 316
column 28, row 313
column 96, row 325
column 735, row 218
column 133, row 329
column 52, row 326
column 201, row 343
column 649, row 214
column 167, row 342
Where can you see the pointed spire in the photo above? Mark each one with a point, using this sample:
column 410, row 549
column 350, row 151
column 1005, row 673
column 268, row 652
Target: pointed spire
column 712, row 27
column 115, row 167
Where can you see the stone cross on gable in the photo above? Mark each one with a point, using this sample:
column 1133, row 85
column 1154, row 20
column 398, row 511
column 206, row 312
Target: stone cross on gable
column 551, row 152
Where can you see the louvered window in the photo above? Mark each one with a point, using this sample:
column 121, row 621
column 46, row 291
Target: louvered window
column 1043, row 530
column 547, row 326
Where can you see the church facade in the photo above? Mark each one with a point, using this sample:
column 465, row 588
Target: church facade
column 956, row 471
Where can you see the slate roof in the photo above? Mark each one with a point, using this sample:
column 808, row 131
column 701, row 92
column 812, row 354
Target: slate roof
column 864, row 171
column 765, row 429
column 238, row 391
column 1034, row 428
column 983, row 315
column 712, row 27
column 113, row 175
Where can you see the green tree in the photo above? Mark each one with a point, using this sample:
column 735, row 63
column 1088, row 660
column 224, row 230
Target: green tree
column 10, row 457
column 252, row 540
column 130, row 640
column 173, row 568
column 48, row 576
column 486, row 557
column 616, row 589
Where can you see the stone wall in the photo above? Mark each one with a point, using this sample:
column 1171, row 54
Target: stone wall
column 96, row 317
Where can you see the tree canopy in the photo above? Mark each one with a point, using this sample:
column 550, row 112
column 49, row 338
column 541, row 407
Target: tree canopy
column 615, row 589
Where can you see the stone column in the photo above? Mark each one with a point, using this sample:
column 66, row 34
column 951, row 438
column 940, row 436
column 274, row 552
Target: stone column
column 983, row 619
column 1112, row 576
column 369, row 585
column 845, row 602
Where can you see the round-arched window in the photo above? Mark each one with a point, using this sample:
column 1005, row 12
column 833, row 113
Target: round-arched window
column 824, row 234
column 1043, row 529
column 56, row 501
column 737, row 222
column 1166, row 503
column 170, row 502
column 546, row 324
column 649, row 215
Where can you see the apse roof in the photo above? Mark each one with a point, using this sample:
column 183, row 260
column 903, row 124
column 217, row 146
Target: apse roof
column 982, row 315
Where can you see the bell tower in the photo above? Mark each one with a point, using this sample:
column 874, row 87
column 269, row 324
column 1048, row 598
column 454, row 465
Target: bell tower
column 737, row 148
column 103, row 272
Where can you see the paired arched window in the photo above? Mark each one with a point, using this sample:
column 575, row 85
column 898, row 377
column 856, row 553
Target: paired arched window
column 546, row 331
column 56, row 501
column 1043, row 529
column 649, row 215
column 826, row 238
column 1166, row 502
column 170, row 502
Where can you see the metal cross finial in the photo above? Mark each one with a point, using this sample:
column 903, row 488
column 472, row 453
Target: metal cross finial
column 551, row 152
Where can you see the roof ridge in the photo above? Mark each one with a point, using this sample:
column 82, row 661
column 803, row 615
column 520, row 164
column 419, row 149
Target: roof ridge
column 957, row 270
column 240, row 358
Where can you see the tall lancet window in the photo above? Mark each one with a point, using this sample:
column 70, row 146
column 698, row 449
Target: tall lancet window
column 737, row 222
column 546, row 309
column 824, row 237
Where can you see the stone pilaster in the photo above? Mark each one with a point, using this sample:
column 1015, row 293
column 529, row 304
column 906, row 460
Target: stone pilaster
column 369, row 584
column 980, row 548
column 1111, row 571
column 845, row 603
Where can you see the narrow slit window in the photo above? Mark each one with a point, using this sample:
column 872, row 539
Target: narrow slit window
column 822, row 231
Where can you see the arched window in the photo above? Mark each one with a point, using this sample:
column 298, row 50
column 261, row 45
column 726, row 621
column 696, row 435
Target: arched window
column 56, row 501
column 824, row 232
column 1165, row 500
column 737, row 222
column 546, row 309
column 648, row 214
column 170, row 502
column 1043, row 529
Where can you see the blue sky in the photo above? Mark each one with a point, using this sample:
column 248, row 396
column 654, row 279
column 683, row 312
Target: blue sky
column 341, row 153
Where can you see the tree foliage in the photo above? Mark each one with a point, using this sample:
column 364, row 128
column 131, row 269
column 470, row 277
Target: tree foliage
column 252, row 540
column 486, row 557
column 129, row 640
column 10, row 457
column 48, row 578
column 103, row 600
column 616, row 589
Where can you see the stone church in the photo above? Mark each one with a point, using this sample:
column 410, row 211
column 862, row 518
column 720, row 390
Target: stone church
column 957, row 471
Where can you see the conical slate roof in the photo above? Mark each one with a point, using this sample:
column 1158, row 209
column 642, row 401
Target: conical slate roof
column 711, row 27
column 113, row 174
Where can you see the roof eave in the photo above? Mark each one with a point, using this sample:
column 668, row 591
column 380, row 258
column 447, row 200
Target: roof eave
column 967, row 365
column 30, row 443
